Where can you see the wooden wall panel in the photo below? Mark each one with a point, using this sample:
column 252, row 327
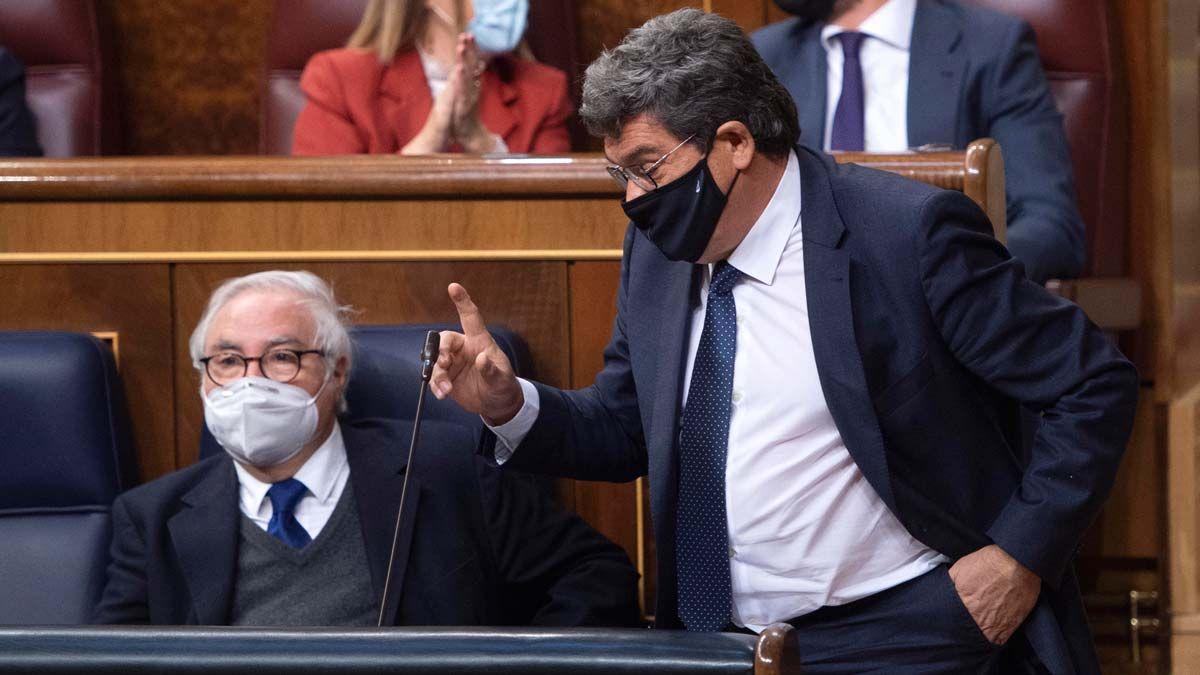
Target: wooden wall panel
column 231, row 225
column 130, row 300
column 530, row 298
column 1131, row 524
column 188, row 74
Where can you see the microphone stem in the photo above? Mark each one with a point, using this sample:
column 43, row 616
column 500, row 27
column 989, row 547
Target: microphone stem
column 416, row 432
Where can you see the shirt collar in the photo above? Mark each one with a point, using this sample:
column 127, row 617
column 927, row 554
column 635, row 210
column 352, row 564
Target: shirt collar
column 761, row 250
column 319, row 474
column 892, row 23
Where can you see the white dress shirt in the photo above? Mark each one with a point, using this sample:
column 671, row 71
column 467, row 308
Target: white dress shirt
column 324, row 474
column 806, row 529
column 884, row 56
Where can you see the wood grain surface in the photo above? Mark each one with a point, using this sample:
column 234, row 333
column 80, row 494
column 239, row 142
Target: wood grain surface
column 132, row 301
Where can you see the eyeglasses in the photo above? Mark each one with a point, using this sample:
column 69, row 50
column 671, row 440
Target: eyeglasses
column 638, row 176
column 281, row 365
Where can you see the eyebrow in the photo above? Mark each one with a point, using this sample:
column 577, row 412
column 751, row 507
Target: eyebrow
column 633, row 156
column 228, row 345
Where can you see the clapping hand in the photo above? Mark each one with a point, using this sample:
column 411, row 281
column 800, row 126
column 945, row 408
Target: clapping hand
column 455, row 112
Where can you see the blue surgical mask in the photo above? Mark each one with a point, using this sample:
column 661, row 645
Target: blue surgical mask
column 498, row 25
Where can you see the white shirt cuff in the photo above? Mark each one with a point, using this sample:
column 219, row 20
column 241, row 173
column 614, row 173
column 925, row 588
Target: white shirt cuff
column 510, row 434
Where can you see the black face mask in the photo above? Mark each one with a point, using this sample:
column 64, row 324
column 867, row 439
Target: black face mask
column 680, row 217
column 808, row 10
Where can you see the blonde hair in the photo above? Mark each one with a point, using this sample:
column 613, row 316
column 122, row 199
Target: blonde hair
column 388, row 26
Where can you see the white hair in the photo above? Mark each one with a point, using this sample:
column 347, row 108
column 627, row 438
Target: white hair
column 332, row 320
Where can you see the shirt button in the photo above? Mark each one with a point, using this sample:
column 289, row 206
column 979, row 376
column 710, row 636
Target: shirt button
column 732, row 552
column 741, row 320
column 737, row 397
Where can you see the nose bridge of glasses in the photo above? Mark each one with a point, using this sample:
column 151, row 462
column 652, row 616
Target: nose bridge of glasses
column 254, row 365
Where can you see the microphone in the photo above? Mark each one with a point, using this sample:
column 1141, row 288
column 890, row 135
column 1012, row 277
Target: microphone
column 429, row 354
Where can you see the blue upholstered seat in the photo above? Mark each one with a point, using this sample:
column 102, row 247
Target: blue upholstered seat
column 64, row 455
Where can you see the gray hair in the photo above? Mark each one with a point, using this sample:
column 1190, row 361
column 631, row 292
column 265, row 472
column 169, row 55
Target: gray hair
column 332, row 320
column 692, row 71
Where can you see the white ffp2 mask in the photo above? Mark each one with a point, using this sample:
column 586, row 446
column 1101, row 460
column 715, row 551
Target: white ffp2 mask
column 261, row 422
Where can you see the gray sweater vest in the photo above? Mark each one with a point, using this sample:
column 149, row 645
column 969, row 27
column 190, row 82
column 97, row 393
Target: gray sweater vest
column 326, row 583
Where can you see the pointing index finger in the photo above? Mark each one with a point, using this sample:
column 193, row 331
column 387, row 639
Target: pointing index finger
column 468, row 314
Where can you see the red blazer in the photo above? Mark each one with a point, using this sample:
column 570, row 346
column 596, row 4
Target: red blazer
column 358, row 105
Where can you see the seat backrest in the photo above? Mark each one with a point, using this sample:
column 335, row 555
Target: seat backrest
column 64, row 455
column 301, row 28
column 1078, row 45
column 386, row 375
column 65, row 47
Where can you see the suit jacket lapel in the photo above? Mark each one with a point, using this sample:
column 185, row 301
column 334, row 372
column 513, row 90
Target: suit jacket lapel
column 205, row 535
column 935, row 74
column 495, row 100
column 377, row 468
column 671, row 317
column 406, row 99
column 807, row 79
column 827, row 275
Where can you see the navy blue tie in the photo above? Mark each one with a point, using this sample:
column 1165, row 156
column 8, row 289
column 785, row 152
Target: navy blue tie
column 284, row 496
column 848, row 125
column 701, row 530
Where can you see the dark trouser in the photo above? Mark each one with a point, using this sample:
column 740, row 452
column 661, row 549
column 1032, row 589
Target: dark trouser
column 920, row 626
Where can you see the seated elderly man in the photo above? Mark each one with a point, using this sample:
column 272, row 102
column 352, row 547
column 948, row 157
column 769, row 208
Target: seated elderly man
column 294, row 524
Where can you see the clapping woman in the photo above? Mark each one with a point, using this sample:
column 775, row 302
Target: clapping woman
column 427, row 76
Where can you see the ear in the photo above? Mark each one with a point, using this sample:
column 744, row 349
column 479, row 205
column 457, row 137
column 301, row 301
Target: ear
column 340, row 370
column 736, row 137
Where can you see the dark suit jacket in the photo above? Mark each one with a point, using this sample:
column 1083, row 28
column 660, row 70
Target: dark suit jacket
column 927, row 338
column 476, row 546
column 18, row 133
column 973, row 73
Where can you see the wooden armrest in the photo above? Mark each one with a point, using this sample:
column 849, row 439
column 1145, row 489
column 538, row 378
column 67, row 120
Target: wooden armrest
column 776, row 652
column 1113, row 303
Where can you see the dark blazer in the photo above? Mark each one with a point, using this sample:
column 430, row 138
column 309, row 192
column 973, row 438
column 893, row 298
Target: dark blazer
column 973, row 73
column 18, row 133
column 477, row 547
column 927, row 339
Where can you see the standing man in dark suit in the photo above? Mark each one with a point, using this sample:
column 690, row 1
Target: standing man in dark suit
column 820, row 369
column 18, row 134
column 889, row 75
column 294, row 525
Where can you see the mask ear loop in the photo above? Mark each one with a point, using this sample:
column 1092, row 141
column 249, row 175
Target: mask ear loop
column 708, row 151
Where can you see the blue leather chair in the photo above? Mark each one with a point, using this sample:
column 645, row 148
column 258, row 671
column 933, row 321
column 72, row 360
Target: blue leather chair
column 65, row 454
column 385, row 377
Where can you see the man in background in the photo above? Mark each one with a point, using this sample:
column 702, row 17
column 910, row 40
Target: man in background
column 18, row 134
column 889, row 75
column 293, row 524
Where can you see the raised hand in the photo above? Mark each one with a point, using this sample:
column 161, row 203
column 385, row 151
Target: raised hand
column 469, row 131
column 438, row 131
column 472, row 369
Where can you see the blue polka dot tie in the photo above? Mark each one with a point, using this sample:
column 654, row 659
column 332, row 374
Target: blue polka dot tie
column 284, row 496
column 701, row 532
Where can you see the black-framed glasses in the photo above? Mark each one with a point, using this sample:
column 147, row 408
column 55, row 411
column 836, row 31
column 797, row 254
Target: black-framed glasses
column 641, row 177
column 279, row 364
